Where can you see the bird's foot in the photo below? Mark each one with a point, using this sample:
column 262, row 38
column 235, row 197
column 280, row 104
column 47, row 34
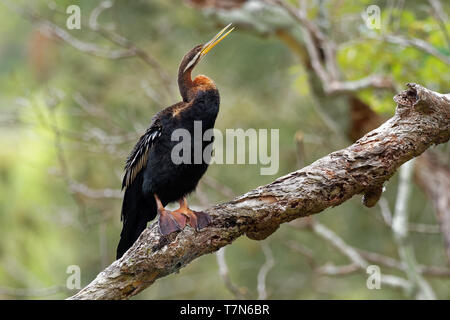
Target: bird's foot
column 170, row 221
column 203, row 219
column 196, row 219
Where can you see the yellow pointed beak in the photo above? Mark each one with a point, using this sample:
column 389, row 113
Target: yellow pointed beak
column 217, row 38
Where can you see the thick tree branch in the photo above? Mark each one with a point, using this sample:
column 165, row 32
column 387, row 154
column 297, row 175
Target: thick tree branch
column 422, row 119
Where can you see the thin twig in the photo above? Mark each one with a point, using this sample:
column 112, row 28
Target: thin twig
column 223, row 272
column 418, row 44
column 354, row 256
column 264, row 270
column 400, row 230
column 329, row 73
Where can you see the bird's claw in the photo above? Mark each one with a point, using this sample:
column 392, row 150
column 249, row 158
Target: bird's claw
column 176, row 220
column 203, row 219
column 170, row 222
column 198, row 219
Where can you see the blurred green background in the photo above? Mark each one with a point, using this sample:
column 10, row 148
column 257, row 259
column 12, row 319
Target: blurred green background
column 68, row 119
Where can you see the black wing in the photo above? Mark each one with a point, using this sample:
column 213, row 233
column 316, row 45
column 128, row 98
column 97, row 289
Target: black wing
column 139, row 155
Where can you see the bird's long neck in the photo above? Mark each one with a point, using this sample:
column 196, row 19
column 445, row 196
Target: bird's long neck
column 188, row 87
column 185, row 83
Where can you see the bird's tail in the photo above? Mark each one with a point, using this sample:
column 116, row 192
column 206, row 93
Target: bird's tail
column 137, row 210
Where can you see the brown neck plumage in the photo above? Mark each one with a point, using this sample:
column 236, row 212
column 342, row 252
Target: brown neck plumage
column 185, row 83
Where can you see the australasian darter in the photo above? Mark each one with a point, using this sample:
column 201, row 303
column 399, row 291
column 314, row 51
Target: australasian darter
column 152, row 179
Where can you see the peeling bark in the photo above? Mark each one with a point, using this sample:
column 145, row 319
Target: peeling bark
column 422, row 119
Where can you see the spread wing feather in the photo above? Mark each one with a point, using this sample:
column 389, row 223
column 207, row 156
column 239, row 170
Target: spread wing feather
column 137, row 158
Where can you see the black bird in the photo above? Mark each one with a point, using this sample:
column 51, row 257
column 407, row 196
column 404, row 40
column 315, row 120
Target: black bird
column 152, row 179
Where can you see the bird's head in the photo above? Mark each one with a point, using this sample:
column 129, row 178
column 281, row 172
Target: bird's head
column 192, row 58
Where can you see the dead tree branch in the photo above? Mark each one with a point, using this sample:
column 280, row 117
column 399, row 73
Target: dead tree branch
column 422, row 119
